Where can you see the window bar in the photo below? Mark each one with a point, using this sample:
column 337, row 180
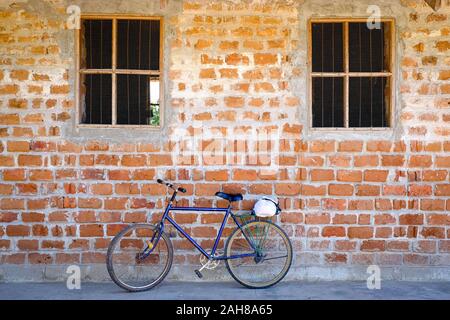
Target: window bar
column 138, row 77
column 148, row 103
column 323, row 124
column 90, row 65
column 128, row 67
column 332, row 85
column 150, row 28
column 101, row 76
column 383, row 116
column 114, row 69
column 347, row 78
column 360, row 79
column 371, row 78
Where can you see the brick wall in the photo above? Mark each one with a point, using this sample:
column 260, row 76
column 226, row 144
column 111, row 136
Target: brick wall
column 350, row 199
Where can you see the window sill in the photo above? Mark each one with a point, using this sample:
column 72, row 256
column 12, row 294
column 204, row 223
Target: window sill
column 101, row 126
column 342, row 134
column 334, row 130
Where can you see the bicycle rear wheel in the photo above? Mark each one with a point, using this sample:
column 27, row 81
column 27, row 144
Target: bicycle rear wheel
column 130, row 263
column 272, row 254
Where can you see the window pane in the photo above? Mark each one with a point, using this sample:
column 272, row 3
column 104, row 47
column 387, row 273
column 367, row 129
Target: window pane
column 97, row 90
column 368, row 48
column 138, row 44
column 327, row 47
column 369, row 102
column 137, row 100
column 97, row 49
column 328, row 102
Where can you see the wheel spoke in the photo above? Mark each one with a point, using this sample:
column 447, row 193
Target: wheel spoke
column 259, row 271
column 124, row 263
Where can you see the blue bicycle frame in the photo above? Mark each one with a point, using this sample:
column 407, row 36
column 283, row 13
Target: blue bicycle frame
column 211, row 256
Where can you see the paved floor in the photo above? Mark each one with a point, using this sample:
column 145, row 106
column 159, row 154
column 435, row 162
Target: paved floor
column 231, row 291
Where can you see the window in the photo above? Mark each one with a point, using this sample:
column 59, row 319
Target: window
column 120, row 76
column 351, row 74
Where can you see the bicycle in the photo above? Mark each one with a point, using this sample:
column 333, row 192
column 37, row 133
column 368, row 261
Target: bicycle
column 257, row 254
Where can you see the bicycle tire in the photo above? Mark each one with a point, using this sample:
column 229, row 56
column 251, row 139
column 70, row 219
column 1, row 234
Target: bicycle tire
column 265, row 284
column 110, row 264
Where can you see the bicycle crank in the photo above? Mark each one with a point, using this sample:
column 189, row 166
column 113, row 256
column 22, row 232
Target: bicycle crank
column 207, row 264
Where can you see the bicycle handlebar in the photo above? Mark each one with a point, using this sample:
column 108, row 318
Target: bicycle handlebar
column 171, row 186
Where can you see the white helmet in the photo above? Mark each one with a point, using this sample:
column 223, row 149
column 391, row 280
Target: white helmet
column 266, row 207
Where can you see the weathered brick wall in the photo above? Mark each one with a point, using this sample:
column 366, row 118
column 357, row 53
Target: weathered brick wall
column 232, row 67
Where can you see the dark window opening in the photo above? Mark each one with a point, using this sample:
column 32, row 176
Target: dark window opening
column 126, row 76
column 328, row 102
column 327, row 47
column 351, row 78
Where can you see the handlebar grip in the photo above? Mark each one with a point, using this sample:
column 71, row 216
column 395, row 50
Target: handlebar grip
column 160, row 181
column 183, row 190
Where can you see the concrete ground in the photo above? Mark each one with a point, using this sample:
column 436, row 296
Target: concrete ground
column 390, row 290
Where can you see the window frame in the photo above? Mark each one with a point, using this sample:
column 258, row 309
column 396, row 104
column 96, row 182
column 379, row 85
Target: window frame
column 347, row 74
column 114, row 71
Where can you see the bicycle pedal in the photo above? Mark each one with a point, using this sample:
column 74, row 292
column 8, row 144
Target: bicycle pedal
column 199, row 274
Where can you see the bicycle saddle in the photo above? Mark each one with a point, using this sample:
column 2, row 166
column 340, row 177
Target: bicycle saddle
column 230, row 197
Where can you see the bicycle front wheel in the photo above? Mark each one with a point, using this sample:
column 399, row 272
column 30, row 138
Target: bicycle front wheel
column 260, row 254
column 136, row 261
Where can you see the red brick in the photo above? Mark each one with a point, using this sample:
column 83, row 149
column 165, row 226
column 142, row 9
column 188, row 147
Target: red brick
column 265, row 58
column 392, row 161
column 116, row 203
column 218, row 175
column 18, row 146
column 287, row 189
column 9, row 204
column 67, row 258
column 33, row 217
column 29, row 160
column 366, row 161
column 52, row 244
column 438, row 219
column 322, row 146
column 360, row 232
column 373, row 245
column 14, row 175
column 333, row 232
column 322, row 175
column 39, row 258
column 350, row 146
column 420, row 161
column 91, row 230
column 379, row 146
column 17, row 230
column 123, row 175
column 340, row 190
column 101, row 189
column 312, row 190
column 411, row 219
column 92, row 203
column 419, row 190
column 321, row 218
column 376, row 175
column 433, row 232
column 244, row 175
column 442, row 190
column 349, row 176
column 334, row 258
column 415, row 259
column 334, row 204
column 367, row 190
